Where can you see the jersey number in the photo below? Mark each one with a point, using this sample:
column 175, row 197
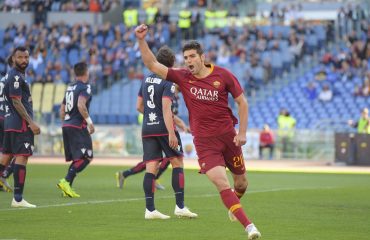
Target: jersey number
column 150, row 102
column 69, row 101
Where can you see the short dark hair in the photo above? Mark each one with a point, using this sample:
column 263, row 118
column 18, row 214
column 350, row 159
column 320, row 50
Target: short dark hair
column 10, row 61
column 166, row 56
column 80, row 69
column 20, row 49
column 193, row 45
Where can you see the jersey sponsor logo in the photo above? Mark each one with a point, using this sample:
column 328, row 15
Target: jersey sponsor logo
column 173, row 88
column 204, row 94
column 152, row 118
column 216, row 84
column 16, row 85
column 89, row 153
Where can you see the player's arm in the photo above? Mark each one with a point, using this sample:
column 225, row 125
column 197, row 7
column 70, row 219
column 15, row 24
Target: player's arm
column 241, row 138
column 181, row 124
column 62, row 111
column 146, row 54
column 81, row 104
column 18, row 105
column 140, row 104
column 168, row 120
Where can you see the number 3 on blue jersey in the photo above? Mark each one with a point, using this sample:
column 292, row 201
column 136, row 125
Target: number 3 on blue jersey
column 150, row 102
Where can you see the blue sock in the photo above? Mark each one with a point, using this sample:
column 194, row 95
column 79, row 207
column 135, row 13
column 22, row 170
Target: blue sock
column 76, row 167
column 178, row 183
column 138, row 168
column 19, row 179
column 149, row 187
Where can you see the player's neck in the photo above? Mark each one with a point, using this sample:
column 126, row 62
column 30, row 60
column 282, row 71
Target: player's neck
column 204, row 71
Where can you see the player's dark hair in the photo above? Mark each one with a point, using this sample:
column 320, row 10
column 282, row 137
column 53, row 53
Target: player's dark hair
column 20, row 49
column 80, row 69
column 10, row 61
column 193, row 45
column 166, row 56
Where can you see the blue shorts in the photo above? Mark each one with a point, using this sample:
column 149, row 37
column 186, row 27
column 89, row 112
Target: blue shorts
column 77, row 144
column 154, row 145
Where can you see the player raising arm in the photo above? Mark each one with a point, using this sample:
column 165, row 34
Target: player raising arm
column 205, row 88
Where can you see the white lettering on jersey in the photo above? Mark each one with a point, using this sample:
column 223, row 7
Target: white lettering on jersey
column 204, row 94
column 153, row 80
column 71, row 88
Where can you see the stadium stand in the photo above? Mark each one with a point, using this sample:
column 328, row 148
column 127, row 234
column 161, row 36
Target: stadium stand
column 273, row 62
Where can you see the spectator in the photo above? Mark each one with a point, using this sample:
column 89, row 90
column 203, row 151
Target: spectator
column 326, row 94
column 363, row 124
column 267, row 140
column 311, row 91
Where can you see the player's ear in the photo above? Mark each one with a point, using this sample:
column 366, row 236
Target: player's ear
column 203, row 57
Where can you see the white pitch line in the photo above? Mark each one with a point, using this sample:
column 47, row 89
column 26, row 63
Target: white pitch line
column 162, row 197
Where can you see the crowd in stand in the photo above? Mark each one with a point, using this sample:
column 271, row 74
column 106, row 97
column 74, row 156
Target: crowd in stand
column 348, row 63
column 255, row 54
column 42, row 6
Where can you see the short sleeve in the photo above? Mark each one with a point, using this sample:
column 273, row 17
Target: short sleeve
column 233, row 85
column 169, row 90
column 86, row 92
column 15, row 86
column 175, row 75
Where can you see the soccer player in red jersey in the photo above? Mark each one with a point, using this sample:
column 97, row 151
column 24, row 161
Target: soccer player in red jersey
column 205, row 88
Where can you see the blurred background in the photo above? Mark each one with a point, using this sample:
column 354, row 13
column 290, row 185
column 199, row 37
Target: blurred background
column 304, row 66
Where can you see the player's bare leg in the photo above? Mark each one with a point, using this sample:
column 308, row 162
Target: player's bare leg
column 218, row 177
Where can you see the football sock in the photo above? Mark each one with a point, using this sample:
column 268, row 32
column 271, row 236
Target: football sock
column 178, row 185
column 76, row 167
column 9, row 169
column 19, row 179
column 149, row 188
column 138, row 168
column 233, row 204
column 164, row 165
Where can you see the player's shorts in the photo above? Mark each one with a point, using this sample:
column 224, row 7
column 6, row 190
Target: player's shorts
column 77, row 144
column 18, row 143
column 154, row 145
column 219, row 151
column 1, row 133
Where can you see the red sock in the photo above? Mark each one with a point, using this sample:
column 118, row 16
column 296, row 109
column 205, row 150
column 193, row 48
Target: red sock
column 239, row 192
column 233, row 204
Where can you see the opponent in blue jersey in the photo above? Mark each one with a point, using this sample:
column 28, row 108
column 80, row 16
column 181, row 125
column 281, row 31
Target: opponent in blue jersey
column 159, row 135
column 4, row 185
column 77, row 127
column 19, row 125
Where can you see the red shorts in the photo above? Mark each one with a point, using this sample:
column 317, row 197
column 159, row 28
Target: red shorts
column 219, row 151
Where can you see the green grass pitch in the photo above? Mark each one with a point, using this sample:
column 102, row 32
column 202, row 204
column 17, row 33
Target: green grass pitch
column 284, row 206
